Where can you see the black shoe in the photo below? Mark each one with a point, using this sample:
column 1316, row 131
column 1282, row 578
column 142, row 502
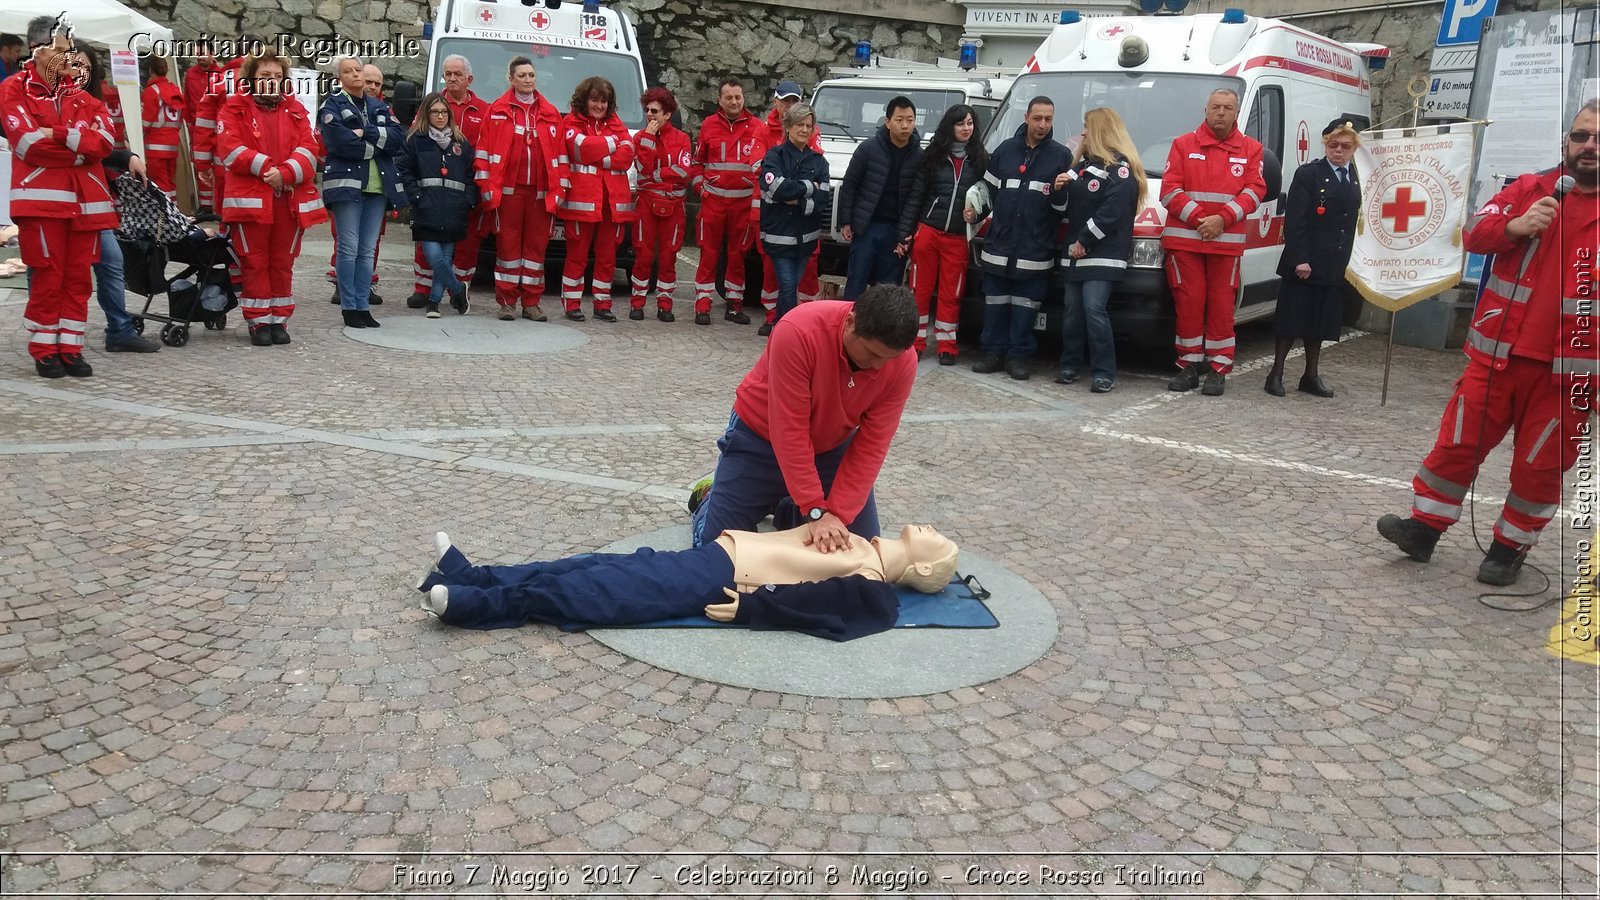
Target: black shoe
column 373, row 299
column 458, row 300
column 1187, row 379
column 75, row 365
column 1274, row 384
column 49, row 367
column 605, row 315
column 1017, row 369
column 921, row 354
column 1313, row 385
column 353, row 319
column 280, row 334
column 1102, row 386
column 1216, row 383
column 261, row 335
column 133, row 343
column 1416, row 538
column 334, row 299
column 737, row 316
column 702, row 318
column 988, row 365
column 1067, row 376
column 433, row 311
column 576, row 315
column 636, row 314
column 417, row 300
column 368, row 320
column 1501, row 566
column 765, row 329
column 666, row 315
column 947, row 359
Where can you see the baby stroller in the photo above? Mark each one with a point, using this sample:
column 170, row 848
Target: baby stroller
column 154, row 232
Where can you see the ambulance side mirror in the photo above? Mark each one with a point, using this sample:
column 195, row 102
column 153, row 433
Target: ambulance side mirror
column 404, row 101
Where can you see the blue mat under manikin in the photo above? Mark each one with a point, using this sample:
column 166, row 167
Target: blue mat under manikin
column 957, row 606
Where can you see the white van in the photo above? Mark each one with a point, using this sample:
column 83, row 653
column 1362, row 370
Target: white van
column 849, row 107
column 1156, row 72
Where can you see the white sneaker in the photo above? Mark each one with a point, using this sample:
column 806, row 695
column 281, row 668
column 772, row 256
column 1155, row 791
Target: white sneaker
column 441, row 544
column 436, row 600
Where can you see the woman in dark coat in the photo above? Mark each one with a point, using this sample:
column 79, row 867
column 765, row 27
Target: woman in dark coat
column 795, row 200
column 436, row 169
column 1319, row 230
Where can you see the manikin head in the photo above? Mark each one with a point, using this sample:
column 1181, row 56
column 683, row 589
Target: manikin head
column 931, row 559
column 880, row 326
column 1222, row 111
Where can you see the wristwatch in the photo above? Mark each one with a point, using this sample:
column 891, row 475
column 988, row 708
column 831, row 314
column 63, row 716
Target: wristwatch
column 816, row 513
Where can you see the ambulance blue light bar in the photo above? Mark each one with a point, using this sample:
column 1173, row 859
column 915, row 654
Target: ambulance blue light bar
column 1070, row 17
column 591, row 6
column 1233, row 15
column 969, row 56
column 863, row 57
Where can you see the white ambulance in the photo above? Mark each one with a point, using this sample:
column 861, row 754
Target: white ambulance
column 1156, row 72
column 849, row 107
column 567, row 41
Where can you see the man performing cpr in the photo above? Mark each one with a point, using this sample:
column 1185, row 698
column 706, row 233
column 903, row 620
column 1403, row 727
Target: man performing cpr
column 812, row 422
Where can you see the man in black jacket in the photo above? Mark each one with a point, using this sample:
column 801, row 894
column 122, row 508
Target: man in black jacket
column 875, row 189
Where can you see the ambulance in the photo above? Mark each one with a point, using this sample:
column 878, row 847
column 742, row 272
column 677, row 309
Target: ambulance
column 1157, row 72
column 567, row 41
column 849, row 106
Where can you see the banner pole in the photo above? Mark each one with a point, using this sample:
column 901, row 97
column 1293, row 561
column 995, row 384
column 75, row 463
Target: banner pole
column 1388, row 353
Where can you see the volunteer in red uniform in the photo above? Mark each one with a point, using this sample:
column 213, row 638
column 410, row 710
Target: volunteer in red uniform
column 197, row 81
column 209, row 171
column 59, row 135
column 599, row 204
column 161, row 111
column 786, row 95
column 520, row 175
column 813, row 420
column 729, row 152
column 1213, row 180
column 1534, row 355
column 113, row 104
column 666, row 163
column 265, row 145
column 467, row 110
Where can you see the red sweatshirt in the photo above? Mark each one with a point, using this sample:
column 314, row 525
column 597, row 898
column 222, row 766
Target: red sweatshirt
column 805, row 397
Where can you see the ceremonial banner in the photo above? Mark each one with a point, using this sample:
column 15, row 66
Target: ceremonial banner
column 1408, row 239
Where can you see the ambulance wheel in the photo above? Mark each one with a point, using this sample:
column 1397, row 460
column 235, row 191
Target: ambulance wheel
column 174, row 335
column 138, row 324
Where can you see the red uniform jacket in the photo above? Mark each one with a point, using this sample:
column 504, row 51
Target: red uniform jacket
column 113, row 104
column 468, row 115
column 600, row 153
column 254, row 139
column 161, row 111
column 1210, row 177
column 196, row 81
column 666, row 165
column 805, row 398
column 539, row 148
column 729, row 153
column 1562, row 271
column 58, row 139
column 203, row 136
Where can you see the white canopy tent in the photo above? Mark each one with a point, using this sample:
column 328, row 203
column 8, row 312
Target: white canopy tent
column 105, row 23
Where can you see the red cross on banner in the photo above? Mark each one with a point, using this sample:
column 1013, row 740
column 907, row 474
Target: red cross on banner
column 1402, row 209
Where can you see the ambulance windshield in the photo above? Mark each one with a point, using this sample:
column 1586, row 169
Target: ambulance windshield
column 559, row 68
column 1156, row 107
column 855, row 111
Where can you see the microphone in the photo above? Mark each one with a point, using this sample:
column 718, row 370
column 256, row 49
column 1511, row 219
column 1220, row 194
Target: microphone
column 1563, row 184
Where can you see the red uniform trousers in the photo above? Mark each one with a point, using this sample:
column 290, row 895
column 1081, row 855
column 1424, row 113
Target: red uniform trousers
column 1525, row 397
column 465, row 262
column 603, row 237
column 656, row 245
column 520, row 245
column 163, row 174
column 205, row 194
column 723, row 220
column 333, row 258
column 266, row 252
column 809, row 289
column 938, row 264
column 60, row 261
column 1204, row 288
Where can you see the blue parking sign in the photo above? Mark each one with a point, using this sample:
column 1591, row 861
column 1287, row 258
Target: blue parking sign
column 1462, row 22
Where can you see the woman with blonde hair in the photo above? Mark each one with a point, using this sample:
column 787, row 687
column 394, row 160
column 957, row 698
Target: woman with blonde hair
column 1106, row 187
column 436, row 170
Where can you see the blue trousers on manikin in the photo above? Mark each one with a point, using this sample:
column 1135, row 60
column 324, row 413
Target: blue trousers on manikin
column 593, row 589
column 748, row 484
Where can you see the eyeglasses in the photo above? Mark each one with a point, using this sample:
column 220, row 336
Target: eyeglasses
column 655, row 111
column 1582, row 137
column 1341, row 145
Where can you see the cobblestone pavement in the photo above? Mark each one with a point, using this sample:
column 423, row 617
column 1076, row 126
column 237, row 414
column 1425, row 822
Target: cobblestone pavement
column 210, row 653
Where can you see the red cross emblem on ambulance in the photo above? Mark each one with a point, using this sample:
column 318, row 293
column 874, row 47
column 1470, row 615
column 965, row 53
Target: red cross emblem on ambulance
column 1111, row 31
column 486, row 15
column 539, row 20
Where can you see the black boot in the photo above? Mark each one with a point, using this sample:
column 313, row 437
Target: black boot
column 280, row 334
column 702, row 318
column 50, row 367
column 417, row 300
column 1502, row 565
column 990, row 364
column 1413, row 536
column 666, row 315
column 75, row 365
column 261, row 335
column 737, row 316
column 636, row 314
column 1017, row 369
column 353, row 319
column 1187, row 379
column 368, row 320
